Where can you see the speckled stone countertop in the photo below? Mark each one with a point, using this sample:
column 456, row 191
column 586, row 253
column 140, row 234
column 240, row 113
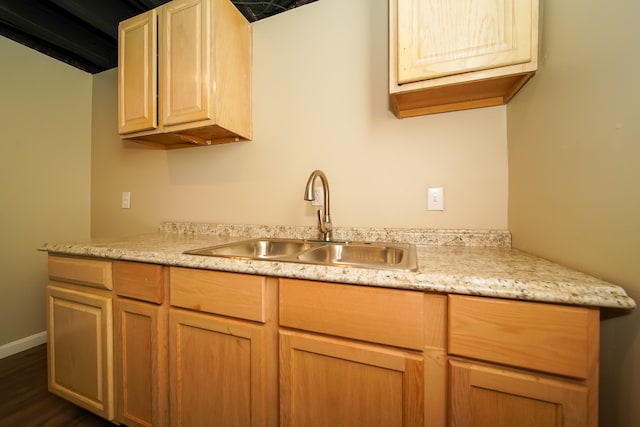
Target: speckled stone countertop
column 450, row 261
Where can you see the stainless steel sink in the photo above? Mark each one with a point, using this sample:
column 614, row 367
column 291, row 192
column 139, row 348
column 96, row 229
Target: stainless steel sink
column 378, row 255
column 257, row 249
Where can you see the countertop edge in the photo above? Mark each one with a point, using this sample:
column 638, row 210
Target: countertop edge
column 593, row 292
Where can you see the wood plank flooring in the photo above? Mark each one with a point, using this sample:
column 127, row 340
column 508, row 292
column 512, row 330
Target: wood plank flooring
column 25, row 400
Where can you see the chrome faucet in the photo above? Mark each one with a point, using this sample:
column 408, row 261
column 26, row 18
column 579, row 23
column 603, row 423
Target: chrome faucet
column 324, row 217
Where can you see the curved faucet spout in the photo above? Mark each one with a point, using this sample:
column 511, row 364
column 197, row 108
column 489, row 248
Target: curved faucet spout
column 324, row 216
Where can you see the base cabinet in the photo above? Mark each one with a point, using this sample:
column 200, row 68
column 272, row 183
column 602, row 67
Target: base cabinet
column 355, row 357
column 223, row 362
column 193, row 347
column 218, row 375
column 141, row 364
column 516, row 363
column 141, row 344
column 328, row 382
column 80, row 334
column 491, row 396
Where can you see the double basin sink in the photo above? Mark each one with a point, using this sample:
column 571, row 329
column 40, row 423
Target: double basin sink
column 394, row 256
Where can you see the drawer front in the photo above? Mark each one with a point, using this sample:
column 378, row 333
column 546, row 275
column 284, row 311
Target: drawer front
column 138, row 280
column 386, row 316
column 89, row 272
column 227, row 294
column 544, row 337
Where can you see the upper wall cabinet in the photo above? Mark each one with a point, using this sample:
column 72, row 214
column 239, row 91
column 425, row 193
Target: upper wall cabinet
column 455, row 55
column 184, row 75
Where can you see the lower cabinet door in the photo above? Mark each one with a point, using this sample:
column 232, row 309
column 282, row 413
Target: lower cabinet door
column 80, row 348
column 490, row 396
column 217, row 371
column 141, row 364
column 330, row 382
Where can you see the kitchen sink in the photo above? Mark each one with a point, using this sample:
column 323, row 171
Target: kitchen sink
column 257, row 248
column 374, row 254
column 378, row 255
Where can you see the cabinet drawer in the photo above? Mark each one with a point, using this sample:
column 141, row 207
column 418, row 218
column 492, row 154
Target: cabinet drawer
column 89, row 272
column 385, row 316
column 227, row 294
column 140, row 281
column 544, row 337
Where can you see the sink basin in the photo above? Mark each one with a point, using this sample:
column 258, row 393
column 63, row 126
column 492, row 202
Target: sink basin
column 395, row 256
column 256, row 248
column 379, row 255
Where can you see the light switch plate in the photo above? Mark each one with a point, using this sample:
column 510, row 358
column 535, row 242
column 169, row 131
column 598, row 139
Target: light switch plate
column 435, row 199
column 126, row 200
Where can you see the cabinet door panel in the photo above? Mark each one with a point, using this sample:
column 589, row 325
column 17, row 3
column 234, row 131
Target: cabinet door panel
column 487, row 396
column 185, row 49
column 332, row 382
column 441, row 37
column 217, row 371
column 137, row 73
column 80, row 351
column 142, row 364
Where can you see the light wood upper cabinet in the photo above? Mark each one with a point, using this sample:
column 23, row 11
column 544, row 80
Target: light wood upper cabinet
column 447, row 56
column 186, row 51
column 188, row 81
column 137, row 73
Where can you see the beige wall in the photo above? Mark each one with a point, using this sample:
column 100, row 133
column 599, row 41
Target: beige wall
column 574, row 162
column 320, row 101
column 44, row 177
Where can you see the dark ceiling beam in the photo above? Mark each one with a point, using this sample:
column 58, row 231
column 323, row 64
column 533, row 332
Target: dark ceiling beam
column 104, row 16
column 49, row 49
column 46, row 25
column 83, row 33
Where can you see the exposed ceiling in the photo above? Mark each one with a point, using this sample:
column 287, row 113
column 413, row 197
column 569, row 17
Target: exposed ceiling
column 84, row 33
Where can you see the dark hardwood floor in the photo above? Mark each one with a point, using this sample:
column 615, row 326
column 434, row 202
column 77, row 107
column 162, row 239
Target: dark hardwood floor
column 25, row 400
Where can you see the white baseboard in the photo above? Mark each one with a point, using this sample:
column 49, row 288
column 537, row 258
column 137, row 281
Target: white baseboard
column 22, row 344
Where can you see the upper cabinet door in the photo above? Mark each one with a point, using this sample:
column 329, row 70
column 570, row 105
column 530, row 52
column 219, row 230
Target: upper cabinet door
column 442, row 37
column 185, row 63
column 200, row 51
column 137, row 76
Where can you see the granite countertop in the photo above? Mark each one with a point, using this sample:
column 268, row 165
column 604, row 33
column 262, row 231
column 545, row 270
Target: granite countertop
column 450, row 261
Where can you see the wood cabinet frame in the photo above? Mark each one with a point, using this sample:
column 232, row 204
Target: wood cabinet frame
column 80, row 348
column 449, row 355
column 184, row 75
column 470, row 81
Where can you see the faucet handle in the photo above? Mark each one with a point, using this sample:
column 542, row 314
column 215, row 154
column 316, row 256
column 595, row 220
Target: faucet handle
column 324, row 222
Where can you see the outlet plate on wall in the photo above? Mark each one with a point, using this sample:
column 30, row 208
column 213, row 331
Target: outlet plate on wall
column 126, row 200
column 435, row 199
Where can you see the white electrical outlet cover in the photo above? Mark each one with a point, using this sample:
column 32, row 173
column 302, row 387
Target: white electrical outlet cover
column 435, row 199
